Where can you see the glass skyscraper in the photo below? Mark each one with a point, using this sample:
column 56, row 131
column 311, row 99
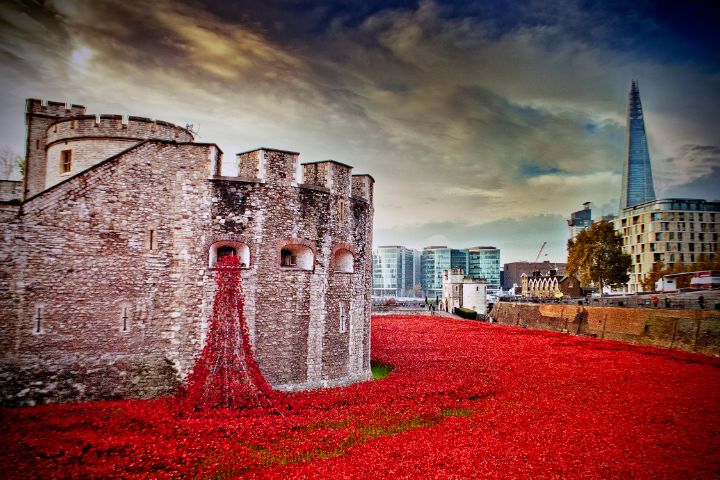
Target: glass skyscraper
column 434, row 261
column 484, row 262
column 580, row 220
column 476, row 262
column 393, row 271
column 637, row 184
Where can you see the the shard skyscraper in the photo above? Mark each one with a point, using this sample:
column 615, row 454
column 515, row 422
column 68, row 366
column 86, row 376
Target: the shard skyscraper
column 637, row 186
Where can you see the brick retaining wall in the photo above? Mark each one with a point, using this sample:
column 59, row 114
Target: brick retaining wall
column 690, row 330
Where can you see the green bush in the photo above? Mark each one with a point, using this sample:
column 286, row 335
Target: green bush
column 465, row 313
column 380, row 369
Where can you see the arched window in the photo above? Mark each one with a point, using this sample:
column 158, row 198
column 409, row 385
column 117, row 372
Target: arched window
column 227, row 247
column 224, row 251
column 298, row 257
column 344, row 261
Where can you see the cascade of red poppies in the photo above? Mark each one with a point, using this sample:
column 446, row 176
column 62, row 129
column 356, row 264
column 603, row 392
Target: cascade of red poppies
column 226, row 374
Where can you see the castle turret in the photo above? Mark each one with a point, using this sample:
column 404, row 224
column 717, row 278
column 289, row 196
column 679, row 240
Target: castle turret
column 39, row 115
column 63, row 141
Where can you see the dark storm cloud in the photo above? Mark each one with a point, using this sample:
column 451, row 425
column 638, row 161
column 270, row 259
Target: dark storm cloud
column 34, row 38
column 465, row 113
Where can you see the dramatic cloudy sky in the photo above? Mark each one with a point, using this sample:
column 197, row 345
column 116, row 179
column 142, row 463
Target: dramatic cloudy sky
column 483, row 123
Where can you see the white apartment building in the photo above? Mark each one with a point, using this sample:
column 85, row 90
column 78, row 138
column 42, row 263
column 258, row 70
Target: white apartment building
column 670, row 230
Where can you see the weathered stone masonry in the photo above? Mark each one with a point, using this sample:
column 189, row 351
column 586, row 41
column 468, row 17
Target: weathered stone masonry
column 106, row 283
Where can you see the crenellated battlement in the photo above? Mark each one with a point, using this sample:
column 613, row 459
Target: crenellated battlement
column 115, row 126
column 362, row 187
column 330, row 174
column 269, row 165
column 52, row 108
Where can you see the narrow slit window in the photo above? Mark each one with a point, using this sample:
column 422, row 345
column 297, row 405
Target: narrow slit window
column 65, row 161
column 152, row 239
column 341, row 211
column 39, row 319
column 343, row 319
column 125, row 319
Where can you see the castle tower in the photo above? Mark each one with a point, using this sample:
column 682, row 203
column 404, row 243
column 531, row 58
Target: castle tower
column 39, row 116
column 637, row 186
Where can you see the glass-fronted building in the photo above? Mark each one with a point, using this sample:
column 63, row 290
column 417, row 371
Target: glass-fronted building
column 393, row 271
column 434, row 260
column 484, row 262
column 637, row 183
column 580, row 220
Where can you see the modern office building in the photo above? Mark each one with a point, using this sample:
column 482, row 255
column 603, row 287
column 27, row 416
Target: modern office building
column 484, row 262
column 637, row 181
column 478, row 262
column 670, row 230
column 514, row 270
column 393, row 271
column 434, row 260
column 580, row 220
column 417, row 269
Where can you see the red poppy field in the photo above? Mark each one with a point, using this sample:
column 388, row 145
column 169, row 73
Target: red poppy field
column 464, row 399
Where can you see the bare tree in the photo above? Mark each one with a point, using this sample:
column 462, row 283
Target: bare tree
column 10, row 162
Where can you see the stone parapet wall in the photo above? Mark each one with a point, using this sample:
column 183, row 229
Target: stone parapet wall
column 10, row 191
column 55, row 126
column 690, row 330
column 55, row 109
column 329, row 174
column 114, row 126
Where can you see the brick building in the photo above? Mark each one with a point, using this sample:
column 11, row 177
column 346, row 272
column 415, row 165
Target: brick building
column 106, row 263
column 550, row 285
column 514, row 270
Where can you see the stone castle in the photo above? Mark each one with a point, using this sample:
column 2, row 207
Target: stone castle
column 107, row 251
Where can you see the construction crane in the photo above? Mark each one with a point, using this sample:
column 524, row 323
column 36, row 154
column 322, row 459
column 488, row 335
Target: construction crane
column 540, row 251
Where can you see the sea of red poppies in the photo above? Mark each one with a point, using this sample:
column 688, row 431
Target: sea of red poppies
column 464, row 400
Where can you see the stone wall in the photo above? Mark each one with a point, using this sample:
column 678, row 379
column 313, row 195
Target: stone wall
column 85, row 153
column 106, row 290
column 10, row 191
column 114, row 126
column 295, row 315
column 691, row 330
column 99, row 312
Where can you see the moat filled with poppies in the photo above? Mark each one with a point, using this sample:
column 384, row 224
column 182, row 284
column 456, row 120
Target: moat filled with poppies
column 464, row 399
